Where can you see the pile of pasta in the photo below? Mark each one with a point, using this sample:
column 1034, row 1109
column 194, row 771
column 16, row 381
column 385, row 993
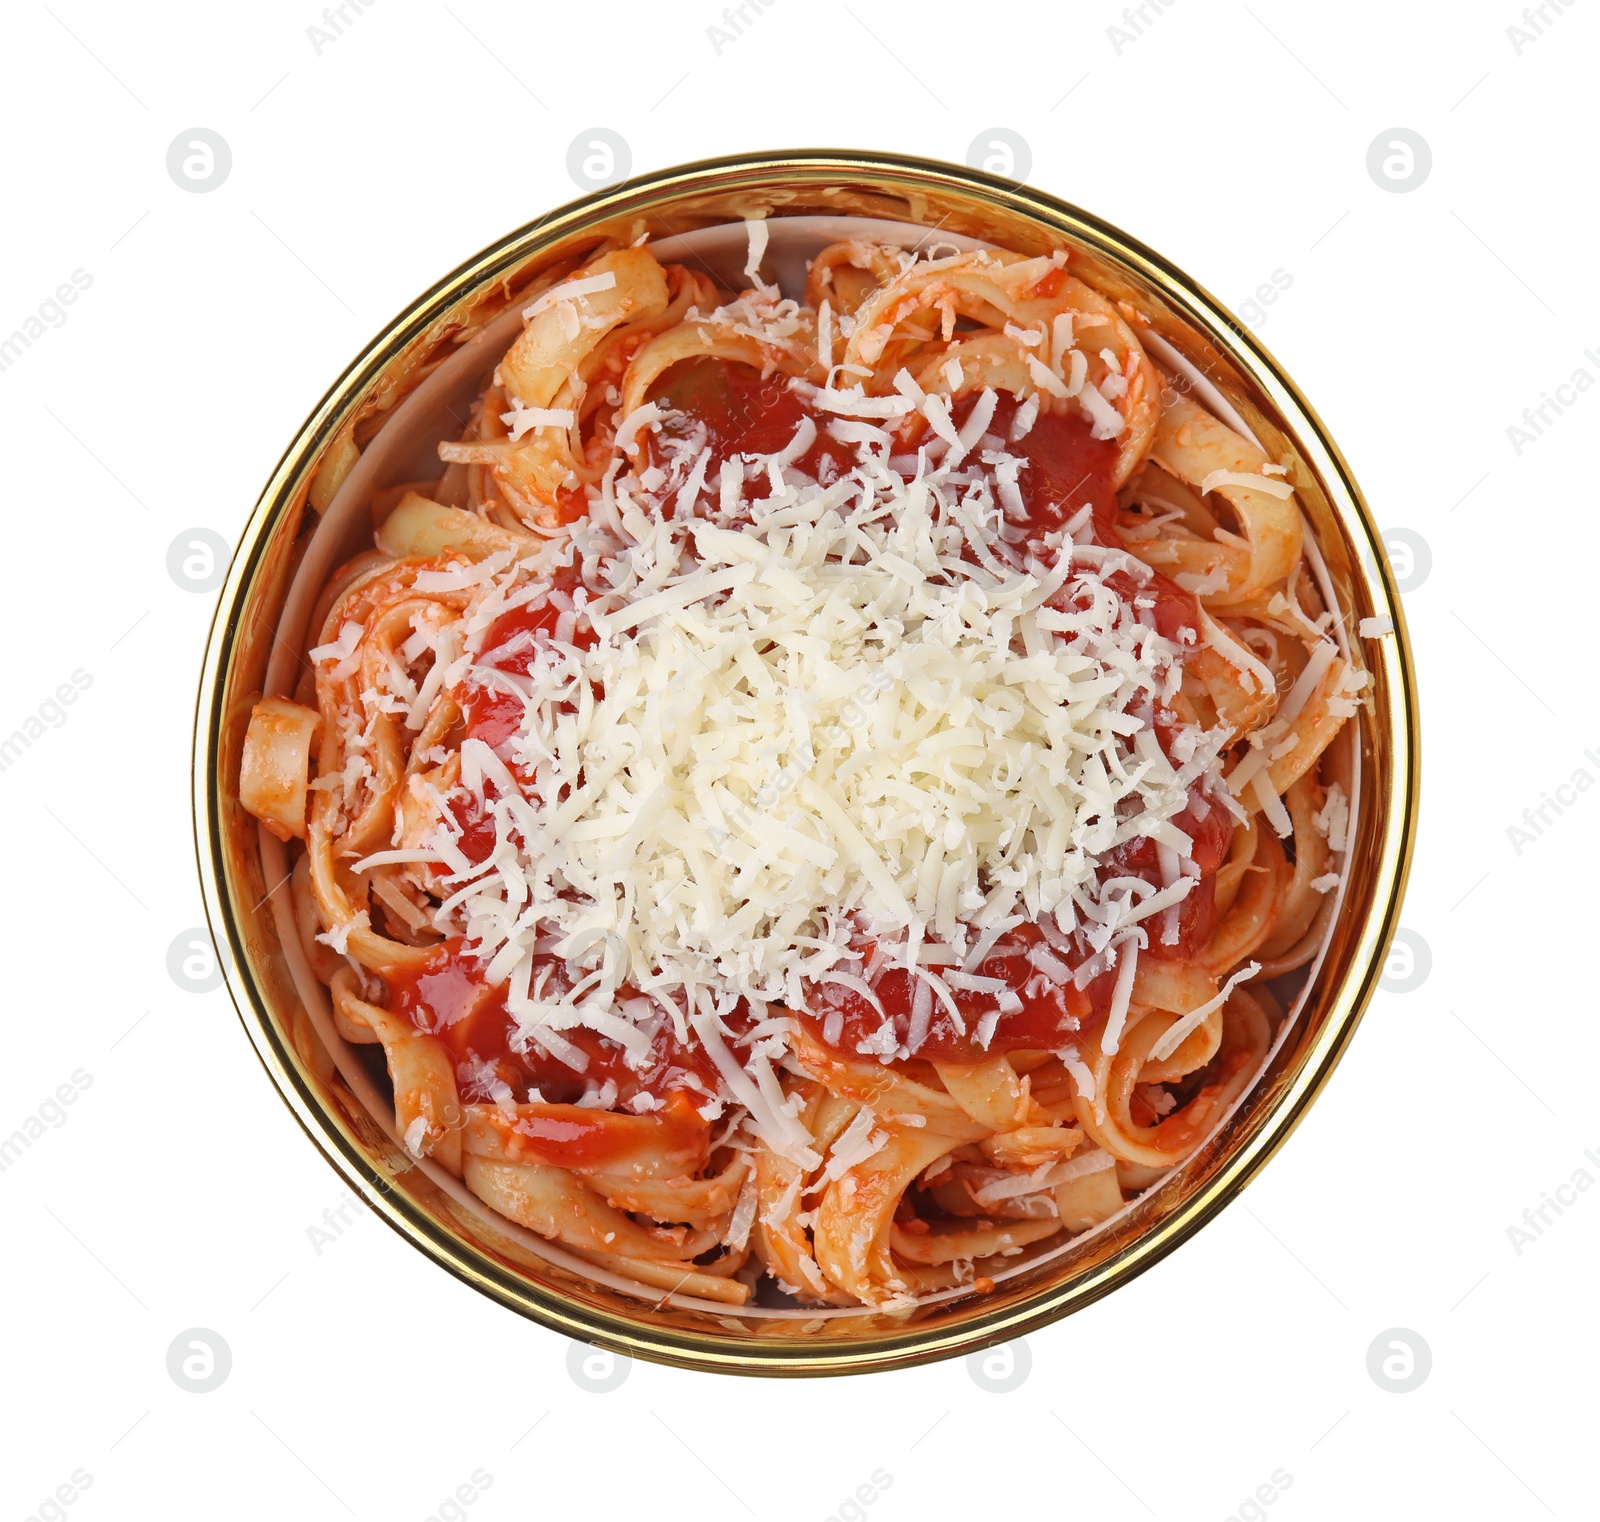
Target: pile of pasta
column 921, row 1177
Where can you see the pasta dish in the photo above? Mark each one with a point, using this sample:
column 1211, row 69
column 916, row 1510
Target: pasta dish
column 815, row 801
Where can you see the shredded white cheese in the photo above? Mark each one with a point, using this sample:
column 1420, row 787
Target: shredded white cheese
column 825, row 721
column 570, row 290
column 1175, row 1034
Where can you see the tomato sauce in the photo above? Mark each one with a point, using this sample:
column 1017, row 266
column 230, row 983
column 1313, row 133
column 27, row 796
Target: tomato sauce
column 1050, row 284
column 1066, row 468
column 494, row 714
column 450, row 998
column 1052, row 1011
column 742, row 412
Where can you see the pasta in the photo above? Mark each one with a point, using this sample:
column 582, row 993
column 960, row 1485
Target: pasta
column 814, row 799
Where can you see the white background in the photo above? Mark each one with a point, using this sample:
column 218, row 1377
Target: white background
column 177, row 1192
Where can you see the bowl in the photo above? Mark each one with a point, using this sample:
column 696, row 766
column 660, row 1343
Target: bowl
column 378, row 425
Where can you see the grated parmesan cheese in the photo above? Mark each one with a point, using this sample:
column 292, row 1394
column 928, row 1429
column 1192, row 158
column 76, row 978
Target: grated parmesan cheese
column 820, row 721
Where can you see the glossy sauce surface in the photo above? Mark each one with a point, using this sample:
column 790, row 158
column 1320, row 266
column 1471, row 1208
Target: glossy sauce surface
column 742, row 413
column 493, row 713
column 1052, row 1011
column 450, row 999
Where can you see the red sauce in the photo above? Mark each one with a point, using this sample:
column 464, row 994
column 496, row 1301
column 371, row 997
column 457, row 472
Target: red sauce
column 494, row 714
column 450, row 998
column 572, row 503
column 1050, row 284
column 742, row 413
column 1175, row 612
column 1210, row 827
column 514, row 639
column 1052, row 1012
column 1067, row 467
column 475, row 823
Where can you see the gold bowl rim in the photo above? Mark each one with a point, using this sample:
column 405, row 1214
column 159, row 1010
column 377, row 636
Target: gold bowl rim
column 1395, row 725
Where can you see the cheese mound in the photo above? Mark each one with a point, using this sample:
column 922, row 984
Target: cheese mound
column 865, row 710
